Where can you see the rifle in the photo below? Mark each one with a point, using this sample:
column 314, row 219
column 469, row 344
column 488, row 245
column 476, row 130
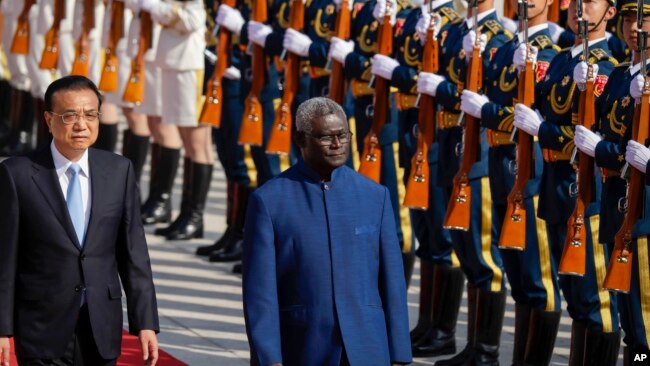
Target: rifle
column 619, row 271
column 80, row 66
column 280, row 139
column 371, row 156
column 50, row 56
column 20, row 43
column 211, row 112
column 251, row 128
column 458, row 211
column 109, row 79
column 134, row 91
column 554, row 12
column 417, row 186
column 513, row 231
column 573, row 260
column 337, row 78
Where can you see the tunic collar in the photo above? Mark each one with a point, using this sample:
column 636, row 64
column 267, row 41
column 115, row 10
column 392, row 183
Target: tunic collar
column 312, row 175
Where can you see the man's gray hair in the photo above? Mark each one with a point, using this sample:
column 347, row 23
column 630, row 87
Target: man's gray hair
column 314, row 108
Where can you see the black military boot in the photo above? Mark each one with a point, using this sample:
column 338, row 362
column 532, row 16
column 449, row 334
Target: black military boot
column 107, row 137
column 408, row 262
column 206, row 250
column 601, row 348
column 136, row 149
column 157, row 208
column 22, row 118
column 489, row 322
column 232, row 251
column 191, row 224
column 185, row 199
column 466, row 355
column 541, row 337
column 448, row 283
column 578, row 333
column 425, row 311
column 522, row 322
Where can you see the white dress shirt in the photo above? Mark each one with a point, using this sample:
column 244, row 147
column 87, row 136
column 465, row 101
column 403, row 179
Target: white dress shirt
column 61, row 164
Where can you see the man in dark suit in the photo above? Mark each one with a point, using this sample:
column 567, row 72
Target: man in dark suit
column 323, row 279
column 70, row 232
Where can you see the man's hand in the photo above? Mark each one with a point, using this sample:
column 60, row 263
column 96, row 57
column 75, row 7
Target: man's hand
column 149, row 345
column 637, row 155
column 527, row 119
column 4, row 351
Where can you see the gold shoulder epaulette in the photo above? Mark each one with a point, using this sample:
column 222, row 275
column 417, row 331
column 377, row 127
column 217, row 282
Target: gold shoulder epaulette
column 494, row 26
column 543, row 41
column 451, row 15
column 599, row 54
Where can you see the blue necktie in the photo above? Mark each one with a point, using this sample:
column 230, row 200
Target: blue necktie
column 75, row 203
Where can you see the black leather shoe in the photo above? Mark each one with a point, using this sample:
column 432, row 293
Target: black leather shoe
column 233, row 254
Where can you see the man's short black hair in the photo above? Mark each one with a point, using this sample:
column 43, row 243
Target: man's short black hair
column 72, row 82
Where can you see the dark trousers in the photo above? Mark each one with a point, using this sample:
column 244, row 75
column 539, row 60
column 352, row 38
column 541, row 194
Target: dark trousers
column 81, row 350
column 344, row 358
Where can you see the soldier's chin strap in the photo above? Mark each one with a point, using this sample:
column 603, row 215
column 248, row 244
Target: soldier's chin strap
column 593, row 26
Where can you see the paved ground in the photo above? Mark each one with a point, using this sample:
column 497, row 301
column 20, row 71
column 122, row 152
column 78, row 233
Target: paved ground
column 200, row 302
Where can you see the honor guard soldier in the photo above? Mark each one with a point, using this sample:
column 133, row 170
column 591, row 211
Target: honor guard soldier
column 233, row 156
column 441, row 279
column 592, row 309
column 473, row 242
column 115, row 46
column 180, row 57
column 527, row 264
column 16, row 46
column 357, row 60
column 616, row 119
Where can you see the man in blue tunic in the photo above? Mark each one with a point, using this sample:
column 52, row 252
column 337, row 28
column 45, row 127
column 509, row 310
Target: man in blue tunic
column 322, row 272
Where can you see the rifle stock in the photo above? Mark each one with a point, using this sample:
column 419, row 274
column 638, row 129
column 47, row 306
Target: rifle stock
column 50, row 56
column 134, row 91
column 458, row 210
column 211, row 112
column 337, row 79
column 280, row 139
column 251, row 131
column 513, row 230
column 20, row 42
column 573, row 260
column 619, row 270
column 417, row 185
column 371, row 156
column 109, row 79
column 81, row 63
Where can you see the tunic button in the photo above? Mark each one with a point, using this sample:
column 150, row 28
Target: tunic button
column 326, row 186
column 77, row 289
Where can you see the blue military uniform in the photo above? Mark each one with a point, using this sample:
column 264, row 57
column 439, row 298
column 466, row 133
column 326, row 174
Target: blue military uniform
column 479, row 257
column 441, row 280
column 533, row 286
column 591, row 308
column 357, row 68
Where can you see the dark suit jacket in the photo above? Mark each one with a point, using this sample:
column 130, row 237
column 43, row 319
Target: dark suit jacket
column 43, row 269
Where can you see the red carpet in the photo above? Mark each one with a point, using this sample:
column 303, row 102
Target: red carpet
column 131, row 354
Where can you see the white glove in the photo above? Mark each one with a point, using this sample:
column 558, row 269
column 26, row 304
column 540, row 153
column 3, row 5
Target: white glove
column 527, row 120
column 580, row 74
column 147, row 5
column 637, row 155
column 519, row 58
column 468, row 42
column 428, row 83
column 230, row 19
column 339, row 2
column 232, row 73
column 423, row 25
column 340, row 49
column 296, row 42
column 383, row 66
column 380, row 10
column 471, row 103
column 586, row 140
column 636, row 87
column 257, row 32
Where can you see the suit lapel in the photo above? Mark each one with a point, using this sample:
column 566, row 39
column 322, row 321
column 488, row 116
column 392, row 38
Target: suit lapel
column 99, row 186
column 47, row 182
